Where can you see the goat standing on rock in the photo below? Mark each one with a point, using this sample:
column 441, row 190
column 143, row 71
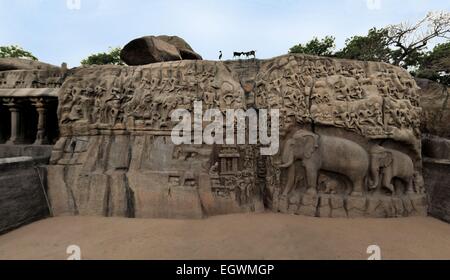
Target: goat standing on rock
column 247, row 54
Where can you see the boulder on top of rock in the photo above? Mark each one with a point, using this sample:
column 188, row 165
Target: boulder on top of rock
column 8, row 64
column 185, row 49
column 151, row 49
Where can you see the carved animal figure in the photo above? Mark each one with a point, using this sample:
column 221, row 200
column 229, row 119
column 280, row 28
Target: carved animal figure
column 319, row 152
column 391, row 164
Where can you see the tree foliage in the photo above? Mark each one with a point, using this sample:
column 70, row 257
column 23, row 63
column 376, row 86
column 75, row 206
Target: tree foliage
column 103, row 58
column 435, row 65
column 403, row 44
column 15, row 52
column 373, row 47
column 409, row 41
column 323, row 47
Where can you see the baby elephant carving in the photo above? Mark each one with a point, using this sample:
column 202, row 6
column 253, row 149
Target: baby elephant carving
column 389, row 164
column 326, row 153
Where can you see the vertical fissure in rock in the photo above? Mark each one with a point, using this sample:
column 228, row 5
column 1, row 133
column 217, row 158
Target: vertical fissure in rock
column 345, row 206
column 70, row 195
column 107, row 208
column 130, row 208
column 310, row 95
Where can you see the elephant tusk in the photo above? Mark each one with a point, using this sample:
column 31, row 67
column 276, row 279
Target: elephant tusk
column 286, row 165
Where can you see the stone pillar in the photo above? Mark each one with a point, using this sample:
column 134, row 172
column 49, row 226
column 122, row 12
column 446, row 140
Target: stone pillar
column 41, row 135
column 16, row 137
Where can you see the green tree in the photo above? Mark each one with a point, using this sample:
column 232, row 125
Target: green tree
column 401, row 44
column 110, row 57
column 15, row 52
column 373, row 47
column 323, row 47
column 435, row 65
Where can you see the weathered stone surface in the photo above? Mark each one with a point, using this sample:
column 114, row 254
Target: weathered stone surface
column 183, row 47
column 308, row 206
column 435, row 147
column 435, row 101
column 361, row 120
column 8, row 64
column 34, row 151
column 36, row 82
column 29, row 93
column 437, row 181
column 62, row 199
column 325, row 209
column 337, row 205
column 21, row 195
column 151, row 49
column 356, row 206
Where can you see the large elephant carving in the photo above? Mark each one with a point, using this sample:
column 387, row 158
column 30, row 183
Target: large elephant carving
column 326, row 153
column 391, row 164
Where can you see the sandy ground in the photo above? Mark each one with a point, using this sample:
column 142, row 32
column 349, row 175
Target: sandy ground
column 252, row 236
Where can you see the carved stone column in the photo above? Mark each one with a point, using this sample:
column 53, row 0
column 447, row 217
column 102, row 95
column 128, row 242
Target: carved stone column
column 16, row 135
column 41, row 135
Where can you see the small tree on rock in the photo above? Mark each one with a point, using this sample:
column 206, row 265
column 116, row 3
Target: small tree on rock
column 373, row 47
column 110, row 57
column 15, row 52
column 323, row 47
column 435, row 65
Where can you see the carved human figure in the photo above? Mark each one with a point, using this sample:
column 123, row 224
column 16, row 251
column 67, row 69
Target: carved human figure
column 333, row 154
column 214, row 170
column 390, row 164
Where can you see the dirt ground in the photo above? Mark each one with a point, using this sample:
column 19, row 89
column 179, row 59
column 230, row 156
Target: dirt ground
column 248, row 236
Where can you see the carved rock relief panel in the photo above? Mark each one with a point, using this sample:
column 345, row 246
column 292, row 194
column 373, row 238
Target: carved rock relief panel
column 370, row 109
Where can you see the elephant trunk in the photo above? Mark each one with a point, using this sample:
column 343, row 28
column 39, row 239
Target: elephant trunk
column 375, row 176
column 288, row 159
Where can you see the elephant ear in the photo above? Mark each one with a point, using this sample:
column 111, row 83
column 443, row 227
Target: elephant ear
column 310, row 144
column 387, row 159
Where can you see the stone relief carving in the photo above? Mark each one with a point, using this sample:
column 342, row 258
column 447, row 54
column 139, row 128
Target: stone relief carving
column 337, row 118
column 387, row 164
column 32, row 78
column 319, row 152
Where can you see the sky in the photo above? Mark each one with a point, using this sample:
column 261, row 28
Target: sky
column 59, row 31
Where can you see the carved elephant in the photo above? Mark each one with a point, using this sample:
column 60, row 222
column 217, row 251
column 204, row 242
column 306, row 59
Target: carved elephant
column 326, row 153
column 391, row 164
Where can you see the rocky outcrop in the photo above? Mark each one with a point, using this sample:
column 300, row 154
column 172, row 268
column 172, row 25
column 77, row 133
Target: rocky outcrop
column 349, row 133
column 435, row 101
column 151, row 49
column 22, row 197
column 436, row 174
column 183, row 47
column 8, row 64
column 436, row 147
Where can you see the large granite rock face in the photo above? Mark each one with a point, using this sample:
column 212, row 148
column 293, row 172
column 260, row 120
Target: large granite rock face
column 22, row 197
column 151, row 49
column 436, row 147
column 350, row 141
column 8, row 64
column 435, row 101
column 37, row 77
